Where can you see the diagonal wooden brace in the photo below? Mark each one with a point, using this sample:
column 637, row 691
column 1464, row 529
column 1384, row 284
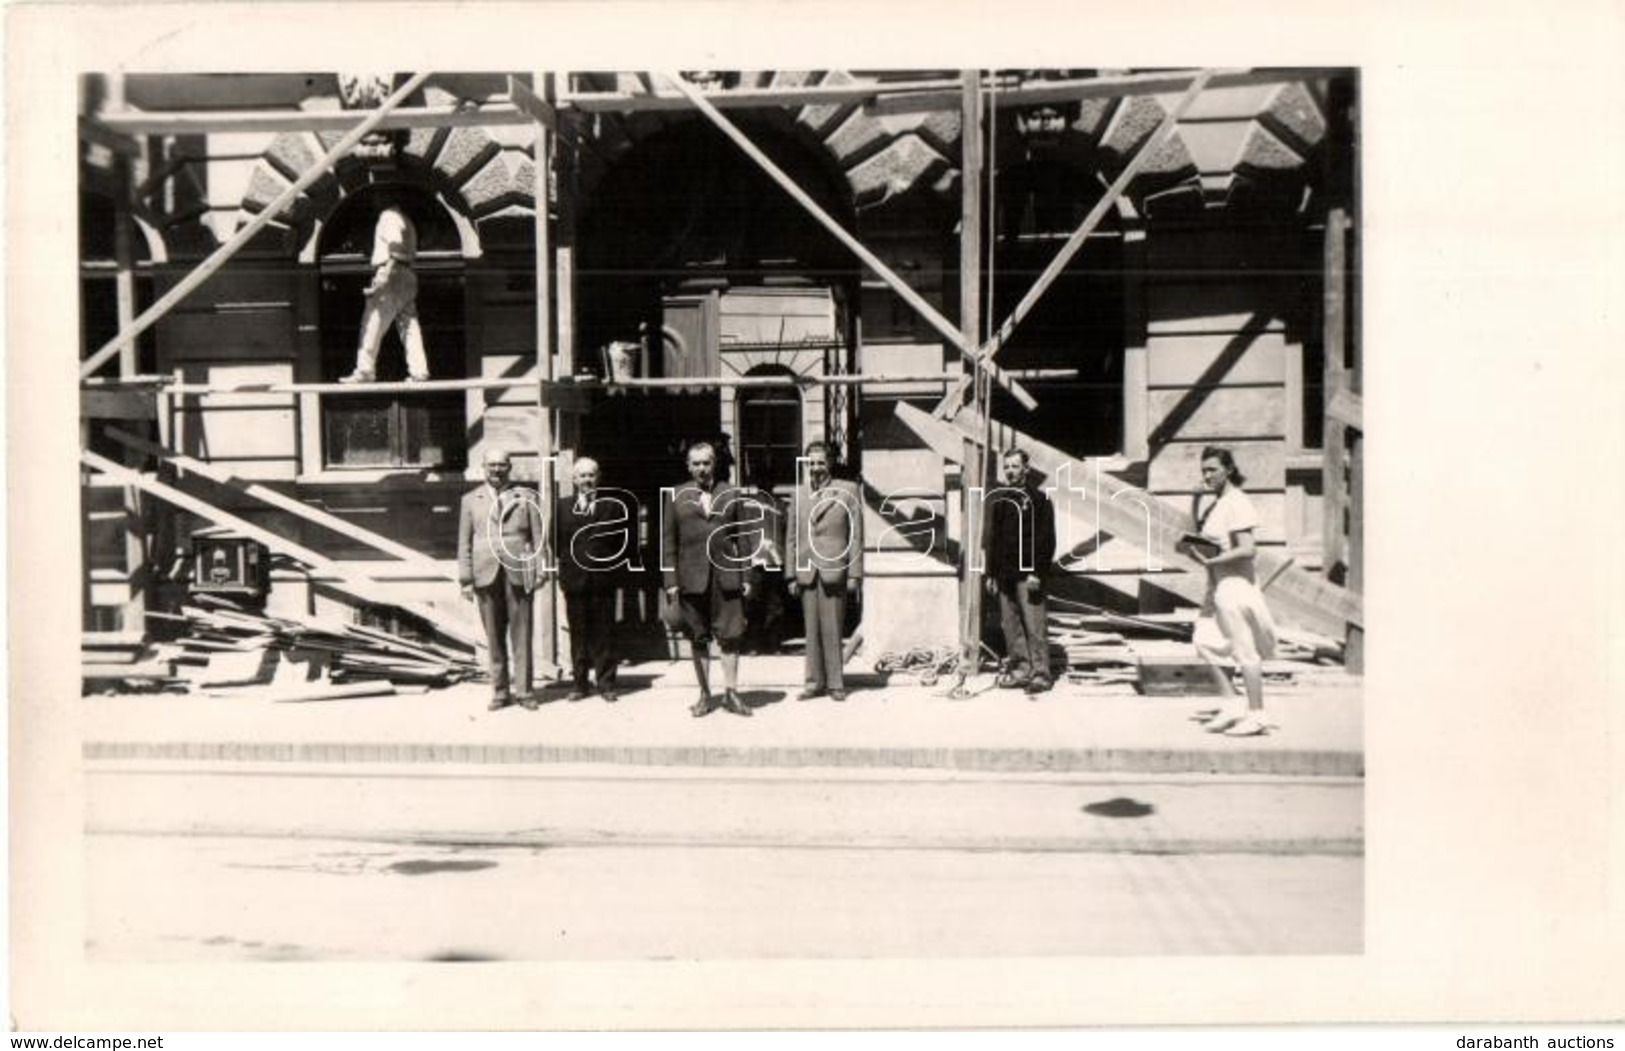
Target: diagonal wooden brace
column 353, row 583
column 952, row 401
column 221, row 476
column 947, row 328
column 533, row 105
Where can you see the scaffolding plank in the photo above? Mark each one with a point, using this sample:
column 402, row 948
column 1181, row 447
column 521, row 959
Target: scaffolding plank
column 1112, row 87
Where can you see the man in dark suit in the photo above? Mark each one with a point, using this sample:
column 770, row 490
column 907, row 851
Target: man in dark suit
column 499, row 541
column 826, row 561
column 1018, row 538
column 703, row 568
column 593, row 538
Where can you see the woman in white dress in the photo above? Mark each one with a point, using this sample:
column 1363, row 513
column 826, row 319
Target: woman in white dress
column 1235, row 624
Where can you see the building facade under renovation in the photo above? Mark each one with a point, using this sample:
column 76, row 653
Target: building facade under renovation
column 603, row 268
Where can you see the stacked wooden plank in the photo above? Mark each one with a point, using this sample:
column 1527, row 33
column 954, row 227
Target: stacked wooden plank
column 1090, row 651
column 123, row 663
column 1104, row 648
column 236, row 646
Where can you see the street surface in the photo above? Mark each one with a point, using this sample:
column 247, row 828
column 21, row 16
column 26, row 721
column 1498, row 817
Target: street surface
column 203, row 863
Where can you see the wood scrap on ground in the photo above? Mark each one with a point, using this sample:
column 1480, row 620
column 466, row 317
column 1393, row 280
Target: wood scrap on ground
column 1098, row 647
column 223, row 644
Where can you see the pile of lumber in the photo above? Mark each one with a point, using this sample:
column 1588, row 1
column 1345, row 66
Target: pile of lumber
column 1099, row 647
column 225, row 644
column 109, row 661
column 1086, row 650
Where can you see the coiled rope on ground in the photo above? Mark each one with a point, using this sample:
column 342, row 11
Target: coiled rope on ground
column 927, row 664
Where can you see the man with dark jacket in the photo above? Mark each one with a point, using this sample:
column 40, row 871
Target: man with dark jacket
column 1018, row 538
column 703, row 523
column 592, row 538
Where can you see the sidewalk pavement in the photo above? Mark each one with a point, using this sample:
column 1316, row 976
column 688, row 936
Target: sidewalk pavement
column 900, row 725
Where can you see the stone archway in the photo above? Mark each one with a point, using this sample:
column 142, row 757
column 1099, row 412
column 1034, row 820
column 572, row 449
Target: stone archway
column 484, row 176
column 883, row 157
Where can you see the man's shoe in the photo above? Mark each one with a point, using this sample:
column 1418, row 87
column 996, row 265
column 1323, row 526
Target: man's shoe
column 609, row 696
column 1038, row 684
column 1010, row 681
column 809, row 694
column 499, row 702
column 579, row 693
column 731, row 701
column 528, row 702
column 703, row 707
column 1253, row 724
column 1225, row 720
column 358, row 377
column 837, row 695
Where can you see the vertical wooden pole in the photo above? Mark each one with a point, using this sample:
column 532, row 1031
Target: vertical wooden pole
column 565, row 166
column 547, row 601
column 1333, row 485
column 1136, row 359
column 134, row 615
column 970, row 319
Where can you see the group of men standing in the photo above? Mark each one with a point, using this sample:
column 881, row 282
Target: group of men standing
column 709, row 537
column 709, row 533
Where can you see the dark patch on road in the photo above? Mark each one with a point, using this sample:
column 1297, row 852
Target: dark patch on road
column 459, row 956
column 422, row 867
column 1120, row 807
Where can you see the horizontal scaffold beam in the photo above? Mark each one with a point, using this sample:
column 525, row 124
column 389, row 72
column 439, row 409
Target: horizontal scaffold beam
column 162, row 384
column 200, row 122
column 1128, row 85
column 901, row 96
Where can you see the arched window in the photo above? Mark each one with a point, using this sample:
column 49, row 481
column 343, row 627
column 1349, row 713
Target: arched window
column 1077, row 324
column 769, row 421
column 413, row 431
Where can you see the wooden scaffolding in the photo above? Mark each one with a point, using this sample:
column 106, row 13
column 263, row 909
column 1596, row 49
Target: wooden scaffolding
column 542, row 101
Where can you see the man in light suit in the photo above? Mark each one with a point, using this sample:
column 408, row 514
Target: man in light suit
column 499, row 540
column 703, row 567
column 825, row 552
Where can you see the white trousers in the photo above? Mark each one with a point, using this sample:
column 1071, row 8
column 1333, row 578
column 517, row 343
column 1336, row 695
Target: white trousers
column 1236, row 624
column 392, row 297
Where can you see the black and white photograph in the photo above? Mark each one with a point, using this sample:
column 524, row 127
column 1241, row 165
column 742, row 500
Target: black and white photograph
column 997, row 431
column 615, row 517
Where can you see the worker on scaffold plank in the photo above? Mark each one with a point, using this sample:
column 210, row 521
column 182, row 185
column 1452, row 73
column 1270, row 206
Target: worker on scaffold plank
column 391, row 297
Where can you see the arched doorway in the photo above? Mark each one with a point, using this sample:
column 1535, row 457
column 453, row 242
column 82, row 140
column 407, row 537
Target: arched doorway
column 1079, row 321
column 408, row 431
column 691, row 249
column 770, row 431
